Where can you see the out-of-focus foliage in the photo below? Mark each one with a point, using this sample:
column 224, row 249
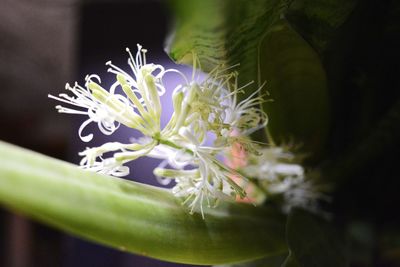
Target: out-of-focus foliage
column 297, row 84
column 268, row 50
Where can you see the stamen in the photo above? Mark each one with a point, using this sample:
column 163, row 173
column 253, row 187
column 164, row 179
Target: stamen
column 138, row 56
column 131, row 61
column 144, row 55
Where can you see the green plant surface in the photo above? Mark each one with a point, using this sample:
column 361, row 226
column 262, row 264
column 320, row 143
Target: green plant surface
column 134, row 217
column 296, row 81
column 312, row 242
column 222, row 32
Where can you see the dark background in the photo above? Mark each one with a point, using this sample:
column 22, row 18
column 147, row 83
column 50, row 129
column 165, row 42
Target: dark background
column 43, row 45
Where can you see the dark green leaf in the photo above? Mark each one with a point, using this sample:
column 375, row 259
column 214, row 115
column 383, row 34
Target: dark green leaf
column 314, row 242
column 318, row 20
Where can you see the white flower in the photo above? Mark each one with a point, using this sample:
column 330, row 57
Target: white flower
column 86, row 104
column 245, row 116
column 272, row 164
column 144, row 89
column 214, row 181
column 93, row 157
column 110, row 167
column 208, row 182
column 139, row 108
column 211, row 106
column 302, row 193
column 278, row 174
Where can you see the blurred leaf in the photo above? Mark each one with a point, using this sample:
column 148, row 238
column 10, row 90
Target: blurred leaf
column 297, row 84
column 318, row 20
column 131, row 216
column 222, row 32
column 314, row 242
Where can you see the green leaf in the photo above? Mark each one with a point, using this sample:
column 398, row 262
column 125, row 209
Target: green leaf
column 131, row 216
column 297, row 84
column 313, row 242
column 222, row 32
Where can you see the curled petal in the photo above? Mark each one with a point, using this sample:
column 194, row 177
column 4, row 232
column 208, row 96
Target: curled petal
column 86, row 138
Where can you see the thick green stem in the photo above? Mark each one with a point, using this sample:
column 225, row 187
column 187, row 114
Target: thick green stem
column 133, row 217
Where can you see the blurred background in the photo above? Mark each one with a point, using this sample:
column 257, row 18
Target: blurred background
column 43, row 45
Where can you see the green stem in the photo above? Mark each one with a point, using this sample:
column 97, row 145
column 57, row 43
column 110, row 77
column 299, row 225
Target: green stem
column 158, row 138
column 134, row 217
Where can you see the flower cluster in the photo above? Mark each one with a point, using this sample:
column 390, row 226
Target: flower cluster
column 208, row 121
column 205, row 112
